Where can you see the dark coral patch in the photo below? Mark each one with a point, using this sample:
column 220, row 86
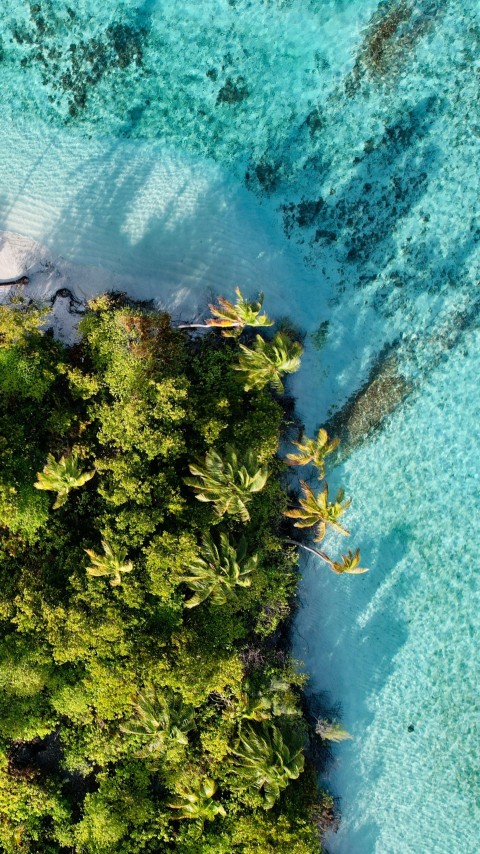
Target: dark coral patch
column 85, row 63
column 305, row 214
column 232, row 92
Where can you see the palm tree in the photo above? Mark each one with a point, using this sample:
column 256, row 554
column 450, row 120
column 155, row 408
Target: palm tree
column 195, row 801
column 250, row 708
column 269, row 361
column 264, row 761
column 331, row 731
column 261, row 705
column 313, row 451
column 112, row 562
column 160, row 721
column 226, row 483
column 316, row 510
column 218, row 570
column 61, row 477
column 283, row 699
column 349, row 563
column 232, row 318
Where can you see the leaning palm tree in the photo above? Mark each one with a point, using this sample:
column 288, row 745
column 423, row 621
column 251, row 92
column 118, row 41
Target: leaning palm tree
column 227, row 483
column 195, row 801
column 264, row 761
column 317, row 510
column 112, row 562
column 349, row 564
column 61, row 477
column 232, row 318
column 331, row 731
column 162, row 721
column 269, row 361
column 218, row 570
column 313, row 451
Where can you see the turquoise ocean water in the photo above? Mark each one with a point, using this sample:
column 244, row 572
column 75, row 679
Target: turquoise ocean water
column 330, row 149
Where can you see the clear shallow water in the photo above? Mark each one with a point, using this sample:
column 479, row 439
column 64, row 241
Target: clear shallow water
column 399, row 646
column 329, row 157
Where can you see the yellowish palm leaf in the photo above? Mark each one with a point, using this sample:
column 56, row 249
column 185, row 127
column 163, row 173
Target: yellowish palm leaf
column 61, row 477
column 349, row 564
column 313, row 451
column 112, row 562
column 317, row 510
column 233, row 317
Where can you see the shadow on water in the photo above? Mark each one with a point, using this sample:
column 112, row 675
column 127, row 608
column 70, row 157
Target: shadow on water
column 384, row 606
column 108, row 199
column 183, row 225
column 353, row 235
column 356, row 224
column 366, row 605
column 349, row 647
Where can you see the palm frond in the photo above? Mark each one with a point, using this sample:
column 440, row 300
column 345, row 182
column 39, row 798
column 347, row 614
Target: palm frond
column 266, row 762
column 313, row 451
column 268, row 361
column 218, row 570
column 162, row 721
column 112, row 562
column 227, row 482
column 315, row 509
column 61, row 477
column 349, row 564
column 195, row 801
column 331, row 731
column 233, row 317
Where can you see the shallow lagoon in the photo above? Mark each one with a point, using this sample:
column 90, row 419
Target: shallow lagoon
column 330, row 158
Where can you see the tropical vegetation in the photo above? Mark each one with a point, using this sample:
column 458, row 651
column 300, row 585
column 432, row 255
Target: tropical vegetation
column 313, row 451
column 149, row 703
column 232, row 318
column 268, row 361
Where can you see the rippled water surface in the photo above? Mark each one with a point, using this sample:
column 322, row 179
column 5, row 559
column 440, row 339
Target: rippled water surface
column 326, row 151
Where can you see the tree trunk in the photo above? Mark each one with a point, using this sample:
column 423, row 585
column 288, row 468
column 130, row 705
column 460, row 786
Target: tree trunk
column 23, row 280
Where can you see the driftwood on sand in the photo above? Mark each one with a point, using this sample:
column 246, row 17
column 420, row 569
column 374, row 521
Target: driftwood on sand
column 23, row 280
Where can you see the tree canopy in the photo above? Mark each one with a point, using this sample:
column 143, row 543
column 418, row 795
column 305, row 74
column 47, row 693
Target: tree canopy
column 146, row 704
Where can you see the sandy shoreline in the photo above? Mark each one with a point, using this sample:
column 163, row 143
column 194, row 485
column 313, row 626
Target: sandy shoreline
column 49, row 273
column 185, row 298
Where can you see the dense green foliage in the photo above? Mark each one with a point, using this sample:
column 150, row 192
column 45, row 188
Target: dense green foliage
column 145, row 705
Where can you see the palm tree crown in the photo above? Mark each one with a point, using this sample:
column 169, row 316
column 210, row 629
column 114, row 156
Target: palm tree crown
column 227, row 483
column 61, row 477
column 232, row 318
column 313, row 451
column 264, row 761
column 195, row 801
column 349, row 564
column 269, row 361
column 218, row 570
column 112, row 562
column 261, row 705
column 160, row 721
column 331, row 731
column 316, row 510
